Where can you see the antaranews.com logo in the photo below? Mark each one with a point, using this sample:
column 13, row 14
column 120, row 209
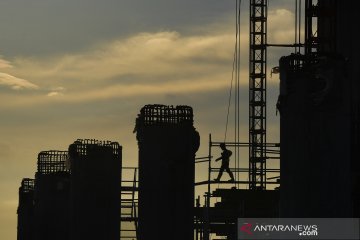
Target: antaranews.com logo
column 298, row 228
column 302, row 230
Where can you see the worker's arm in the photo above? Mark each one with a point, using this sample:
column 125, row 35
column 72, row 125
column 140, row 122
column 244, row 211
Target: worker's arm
column 218, row 159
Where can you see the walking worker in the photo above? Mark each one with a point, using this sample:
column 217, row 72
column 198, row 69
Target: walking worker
column 225, row 157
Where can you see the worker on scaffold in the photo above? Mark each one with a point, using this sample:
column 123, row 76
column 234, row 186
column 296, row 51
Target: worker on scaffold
column 225, row 157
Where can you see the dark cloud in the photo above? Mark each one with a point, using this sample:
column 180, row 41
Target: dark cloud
column 47, row 27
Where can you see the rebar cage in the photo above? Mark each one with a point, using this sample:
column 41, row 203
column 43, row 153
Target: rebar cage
column 82, row 146
column 165, row 115
column 52, row 161
column 27, row 185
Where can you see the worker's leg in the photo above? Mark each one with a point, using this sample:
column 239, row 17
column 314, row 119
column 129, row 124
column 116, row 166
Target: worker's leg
column 230, row 174
column 220, row 173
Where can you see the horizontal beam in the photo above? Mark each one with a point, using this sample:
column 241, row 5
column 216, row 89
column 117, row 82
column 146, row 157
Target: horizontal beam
column 229, row 182
column 285, row 45
column 243, row 144
column 246, row 170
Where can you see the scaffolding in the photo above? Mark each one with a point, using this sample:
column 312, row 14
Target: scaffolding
column 219, row 217
column 129, row 203
column 311, row 33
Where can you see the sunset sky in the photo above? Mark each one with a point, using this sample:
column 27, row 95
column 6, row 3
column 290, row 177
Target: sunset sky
column 84, row 68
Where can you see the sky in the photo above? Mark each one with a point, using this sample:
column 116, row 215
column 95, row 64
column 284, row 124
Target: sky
column 84, row 68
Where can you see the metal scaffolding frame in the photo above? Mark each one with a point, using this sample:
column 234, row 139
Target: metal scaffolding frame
column 204, row 220
column 129, row 204
column 311, row 34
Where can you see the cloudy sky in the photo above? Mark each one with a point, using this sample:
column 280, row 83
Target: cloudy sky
column 84, row 68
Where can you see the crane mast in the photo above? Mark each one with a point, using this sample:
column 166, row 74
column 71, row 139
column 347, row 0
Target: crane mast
column 257, row 94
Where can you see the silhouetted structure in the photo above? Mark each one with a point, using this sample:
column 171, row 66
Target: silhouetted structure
column 319, row 104
column 320, row 116
column 221, row 219
column 224, row 205
column 25, row 210
column 73, row 196
column 129, row 203
column 95, row 189
column 51, row 198
column 167, row 142
column 257, row 93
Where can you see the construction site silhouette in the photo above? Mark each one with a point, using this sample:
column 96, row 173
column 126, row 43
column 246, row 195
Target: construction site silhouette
column 86, row 192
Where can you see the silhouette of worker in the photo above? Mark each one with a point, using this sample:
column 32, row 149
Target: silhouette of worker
column 225, row 157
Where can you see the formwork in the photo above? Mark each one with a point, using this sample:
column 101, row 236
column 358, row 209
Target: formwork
column 167, row 143
column 25, row 210
column 95, row 189
column 51, row 198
